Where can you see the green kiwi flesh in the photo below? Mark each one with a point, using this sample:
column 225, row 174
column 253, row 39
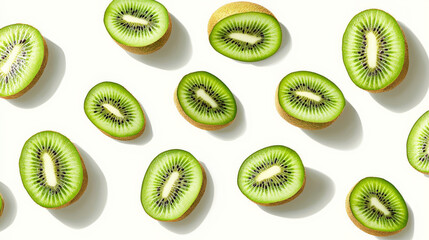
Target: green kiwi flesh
column 23, row 57
column 137, row 23
column 417, row 144
column 115, row 111
column 172, row 186
column 247, row 36
column 205, row 101
column 272, row 176
column 375, row 51
column 52, row 170
column 376, row 207
column 309, row 100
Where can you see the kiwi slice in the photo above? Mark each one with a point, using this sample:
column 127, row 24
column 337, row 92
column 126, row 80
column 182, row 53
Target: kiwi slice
column 244, row 31
column 375, row 206
column 1, row 204
column 52, row 170
column 375, row 51
column 173, row 185
column 309, row 100
column 417, row 144
column 138, row 26
column 205, row 101
column 272, row 176
column 23, row 57
column 115, row 111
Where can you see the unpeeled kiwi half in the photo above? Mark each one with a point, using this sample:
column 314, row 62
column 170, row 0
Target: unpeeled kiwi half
column 309, row 100
column 115, row 111
column 418, row 143
column 376, row 207
column 23, row 57
column 52, row 170
column 375, row 51
column 173, row 185
column 244, row 31
column 205, row 101
column 138, row 26
column 272, row 176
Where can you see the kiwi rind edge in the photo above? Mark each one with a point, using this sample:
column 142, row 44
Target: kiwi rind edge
column 38, row 75
column 203, row 126
column 234, row 8
column 297, row 122
column 361, row 226
column 195, row 203
column 152, row 47
column 2, row 205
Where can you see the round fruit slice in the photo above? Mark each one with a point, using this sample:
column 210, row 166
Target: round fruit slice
column 52, row 170
column 138, row 26
column 376, row 207
column 417, row 144
column 244, row 31
column 23, row 57
column 1, row 205
column 113, row 110
column 272, row 176
column 172, row 186
column 375, row 51
column 205, row 101
column 309, row 100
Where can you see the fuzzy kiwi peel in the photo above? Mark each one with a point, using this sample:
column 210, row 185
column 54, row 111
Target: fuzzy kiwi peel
column 369, row 230
column 234, row 8
column 138, row 20
column 39, row 72
column 62, row 152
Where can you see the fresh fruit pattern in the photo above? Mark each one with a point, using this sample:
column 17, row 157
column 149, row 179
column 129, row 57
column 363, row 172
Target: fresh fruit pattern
column 173, row 185
column 52, row 170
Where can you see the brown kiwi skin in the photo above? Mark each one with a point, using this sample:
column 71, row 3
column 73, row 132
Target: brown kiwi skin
column 286, row 200
column 38, row 75
column 361, row 226
column 234, row 8
column 152, row 47
column 197, row 200
column 82, row 188
column 195, row 123
column 2, row 206
column 297, row 122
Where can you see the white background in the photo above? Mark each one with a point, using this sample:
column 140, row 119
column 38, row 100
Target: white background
column 368, row 139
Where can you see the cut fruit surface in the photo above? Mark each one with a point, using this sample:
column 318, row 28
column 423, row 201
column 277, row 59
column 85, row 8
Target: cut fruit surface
column 375, row 51
column 52, row 170
column 205, row 101
column 309, row 100
column 115, row 111
column 377, row 207
column 272, row 176
column 143, row 24
column 23, row 57
column 172, row 186
column 1, row 205
column 244, row 31
column 418, row 143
